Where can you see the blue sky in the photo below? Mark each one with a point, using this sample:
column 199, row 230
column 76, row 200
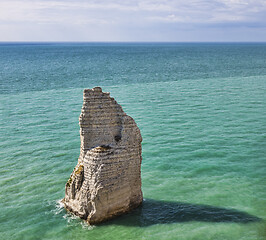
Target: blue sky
column 133, row 20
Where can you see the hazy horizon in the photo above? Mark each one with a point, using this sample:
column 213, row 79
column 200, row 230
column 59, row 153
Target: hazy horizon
column 133, row 42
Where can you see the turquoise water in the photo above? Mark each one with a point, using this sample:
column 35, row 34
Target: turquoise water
column 201, row 112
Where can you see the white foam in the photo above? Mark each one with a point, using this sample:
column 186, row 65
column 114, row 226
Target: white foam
column 59, row 206
column 87, row 226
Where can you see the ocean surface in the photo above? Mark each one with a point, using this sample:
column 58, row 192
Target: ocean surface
column 201, row 109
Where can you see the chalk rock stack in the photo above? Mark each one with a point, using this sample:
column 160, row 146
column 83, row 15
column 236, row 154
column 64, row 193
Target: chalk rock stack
column 106, row 181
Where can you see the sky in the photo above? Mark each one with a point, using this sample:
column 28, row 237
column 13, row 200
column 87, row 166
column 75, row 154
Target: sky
column 133, row 20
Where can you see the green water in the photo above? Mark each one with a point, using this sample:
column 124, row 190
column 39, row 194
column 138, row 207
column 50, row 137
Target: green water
column 204, row 148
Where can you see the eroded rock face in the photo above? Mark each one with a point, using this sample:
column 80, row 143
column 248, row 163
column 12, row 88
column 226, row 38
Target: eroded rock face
column 106, row 181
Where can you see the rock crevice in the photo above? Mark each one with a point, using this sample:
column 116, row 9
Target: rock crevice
column 107, row 178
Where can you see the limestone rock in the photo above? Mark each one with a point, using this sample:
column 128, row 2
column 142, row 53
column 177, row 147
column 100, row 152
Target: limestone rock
column 107, row 180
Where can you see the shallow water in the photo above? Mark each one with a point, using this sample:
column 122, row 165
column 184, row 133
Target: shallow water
column 201, row 112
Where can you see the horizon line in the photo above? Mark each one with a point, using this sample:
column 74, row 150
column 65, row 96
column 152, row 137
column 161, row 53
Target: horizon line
column 1, row 42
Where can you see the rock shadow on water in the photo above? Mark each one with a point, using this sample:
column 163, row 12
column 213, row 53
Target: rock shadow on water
column 161, row 212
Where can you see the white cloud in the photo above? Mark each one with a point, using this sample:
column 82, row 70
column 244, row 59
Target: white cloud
column 201, row 11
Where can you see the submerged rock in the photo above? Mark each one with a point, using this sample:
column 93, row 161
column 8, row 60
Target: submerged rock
column 106, row 181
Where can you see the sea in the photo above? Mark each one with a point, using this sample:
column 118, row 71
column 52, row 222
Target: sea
column 201, row 110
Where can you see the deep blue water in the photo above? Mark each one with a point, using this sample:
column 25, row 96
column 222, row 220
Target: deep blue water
column 27, row 67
